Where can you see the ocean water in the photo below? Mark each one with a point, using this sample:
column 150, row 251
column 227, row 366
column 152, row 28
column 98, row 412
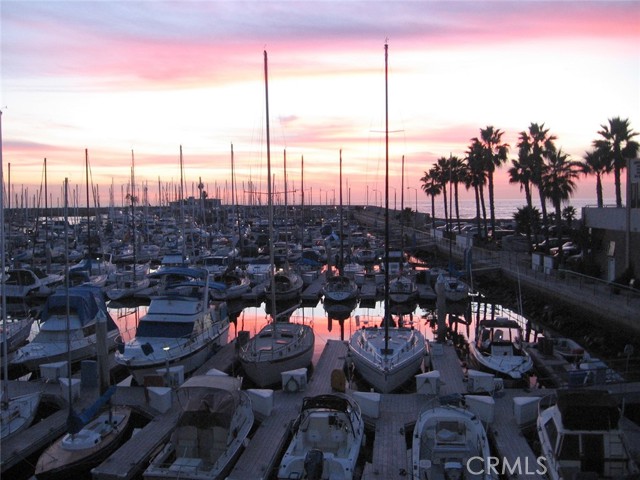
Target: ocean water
column 505, row 208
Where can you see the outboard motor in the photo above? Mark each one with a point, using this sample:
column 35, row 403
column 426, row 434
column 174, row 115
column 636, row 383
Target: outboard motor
column 313, row 464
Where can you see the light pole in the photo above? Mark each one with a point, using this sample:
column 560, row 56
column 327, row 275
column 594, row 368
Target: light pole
column 166, row 349
column 395, row 197
column 415, row 216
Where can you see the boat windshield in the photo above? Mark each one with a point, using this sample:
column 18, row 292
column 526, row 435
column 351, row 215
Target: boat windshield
column 150, row 328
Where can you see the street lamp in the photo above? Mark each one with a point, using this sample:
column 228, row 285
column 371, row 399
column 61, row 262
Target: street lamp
column 415, row 216
column 166, row 349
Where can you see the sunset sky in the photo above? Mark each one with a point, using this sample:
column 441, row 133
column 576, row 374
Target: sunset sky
column 150, row 76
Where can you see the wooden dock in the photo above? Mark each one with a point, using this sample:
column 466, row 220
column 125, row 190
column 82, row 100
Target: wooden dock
column 507, row 438
column 398, row 414
column 444, row 358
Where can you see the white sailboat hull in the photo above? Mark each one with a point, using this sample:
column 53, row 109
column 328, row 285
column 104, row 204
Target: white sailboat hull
column 387, row 373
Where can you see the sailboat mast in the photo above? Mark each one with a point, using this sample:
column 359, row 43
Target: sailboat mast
column 387, row 318
column 341, row 262
column 269, row 194
column 5, row 362
column 86, row 175
column 133, row 218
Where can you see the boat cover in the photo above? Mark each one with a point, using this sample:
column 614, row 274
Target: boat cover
column 588, row 410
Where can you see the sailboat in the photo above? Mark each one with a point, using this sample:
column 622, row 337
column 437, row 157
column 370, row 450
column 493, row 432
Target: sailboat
column 387, row 356
column 279, row 346
column 90, row 438
column 16, row 413
column 340, row 288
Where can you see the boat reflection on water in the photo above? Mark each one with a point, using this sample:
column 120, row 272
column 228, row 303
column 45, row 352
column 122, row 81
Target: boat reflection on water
column 460, row 321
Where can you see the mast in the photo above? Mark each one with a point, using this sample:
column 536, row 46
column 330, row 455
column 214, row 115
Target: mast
column 387, row 317
column 86, row 174
column 133, row 218
column 5, row 362
column 341, row 261
column 269, row 195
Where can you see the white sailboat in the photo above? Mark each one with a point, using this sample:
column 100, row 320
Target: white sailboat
column 387, row 356
column 340, row 287
column 279, row 346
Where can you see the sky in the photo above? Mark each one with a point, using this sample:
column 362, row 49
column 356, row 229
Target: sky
column 143, row 79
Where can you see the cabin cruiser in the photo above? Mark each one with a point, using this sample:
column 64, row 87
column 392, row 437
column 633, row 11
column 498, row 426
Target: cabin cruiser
column 498, row 349
column 86, row 307
column 581, row 437
column 181, row 326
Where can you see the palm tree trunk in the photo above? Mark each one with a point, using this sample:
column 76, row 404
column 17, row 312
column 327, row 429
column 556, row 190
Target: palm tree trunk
column 492, row 207
column 433, row 212
column 543, row 207
column 599, row 190
column 616, row 173
column 446, row 211
column 484, row 210
column 455, row 193
column 477, row 195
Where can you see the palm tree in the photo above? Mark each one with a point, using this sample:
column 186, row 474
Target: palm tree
column 569, row 214
column 536, row 145
column 440, row 172
column 520, row 172
column 597, row 163
column 431, row 186
column 495, row 154
column 527, row 221
column 618, row 145
column 457, row 173
column 559, row 183
column 477, row 178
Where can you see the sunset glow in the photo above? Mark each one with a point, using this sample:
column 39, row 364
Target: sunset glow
column 149, row 76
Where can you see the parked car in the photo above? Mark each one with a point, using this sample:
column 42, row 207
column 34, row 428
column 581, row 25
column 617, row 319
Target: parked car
column 545, row 247
column 568, row 249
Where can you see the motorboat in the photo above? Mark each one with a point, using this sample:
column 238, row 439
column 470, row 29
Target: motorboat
column 212, row 430
column 339, row 288
column 498, row 349
column 278, row 347
column 447, row 442
column 58, row 330
column 76, row 453
column 581, row 437
column 182, row 327
column 24, row 283
column 327, row 437
column 568, row 349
